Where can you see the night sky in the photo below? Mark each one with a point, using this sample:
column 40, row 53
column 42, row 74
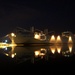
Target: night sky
column 55, row 16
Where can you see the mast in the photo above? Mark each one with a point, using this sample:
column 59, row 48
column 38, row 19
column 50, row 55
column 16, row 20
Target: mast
column 32, row 29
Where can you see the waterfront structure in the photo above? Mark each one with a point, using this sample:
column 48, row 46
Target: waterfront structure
column 67, row 37
column 33, row 36
column 23, row 36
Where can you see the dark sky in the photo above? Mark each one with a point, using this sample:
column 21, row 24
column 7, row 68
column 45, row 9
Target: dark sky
column 55, row 16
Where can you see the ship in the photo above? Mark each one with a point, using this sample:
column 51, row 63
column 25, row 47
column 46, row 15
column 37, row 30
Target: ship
column 23, row 36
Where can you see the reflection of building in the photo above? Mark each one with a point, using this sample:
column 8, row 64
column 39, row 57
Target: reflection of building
column 40, row 53
column 70, row 46
column 33, row 54
column 11, row 53
column 53, row 49
column 67, row 50
column 59, row 48
column 56, row 49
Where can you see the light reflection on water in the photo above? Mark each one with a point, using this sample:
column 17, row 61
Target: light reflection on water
column 38, row 52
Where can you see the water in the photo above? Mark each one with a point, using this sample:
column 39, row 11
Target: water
column 53, row 56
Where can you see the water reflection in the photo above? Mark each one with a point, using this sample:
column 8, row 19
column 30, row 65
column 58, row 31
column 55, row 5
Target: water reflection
column 53, row 49
column 37, row 52
column 70, row 46
column 67, row 50
column 59, row 47
column 41, row 52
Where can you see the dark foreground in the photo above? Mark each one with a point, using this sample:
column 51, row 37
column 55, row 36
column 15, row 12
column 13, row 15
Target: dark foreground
column 53, row 65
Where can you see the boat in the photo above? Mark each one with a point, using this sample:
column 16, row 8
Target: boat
column 23, row 36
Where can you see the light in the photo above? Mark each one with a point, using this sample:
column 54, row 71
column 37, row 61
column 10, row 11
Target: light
column 36, row 36
column 58, row 49
column 70, row 47
column 58, row 37
column 58, row 40
column 53, row 37
column 6, row 41
column 37, row 53
column 52, row 48
column 12, row 38
column 53, row 51
column 12, row 34
column 70, row 40
column 42, row 51
column 6, row 48
column 52, row 40
column 11, row 45
column 3, row 45
column 7, row 54
column 13, row 55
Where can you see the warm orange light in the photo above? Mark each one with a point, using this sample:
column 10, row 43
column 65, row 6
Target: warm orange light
column 6, row 54
column 70, row 47
column 58, row 40
column 36, row 36
column 13, row 55
column 70, row 40
column 37, row 53
column 11, row 45
column 52, row 48
column 42, row 51
column 12, row 34
column 52, row 40
column 58, row 49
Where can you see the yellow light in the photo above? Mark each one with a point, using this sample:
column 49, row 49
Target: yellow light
column 53, row 37
column 42, row 51
column 12, row 45
column 37, row 53
column 70, row 40
column 58, row 50
column 52, row 40
column 53, row 51
column 42, row 54
column 70, row 47
column 59, row 47
column 7, row 54
column 58, row 40
column 36, row 36
column 3, row 45
column 13, row 35
column 52, row 48
column 13, row 55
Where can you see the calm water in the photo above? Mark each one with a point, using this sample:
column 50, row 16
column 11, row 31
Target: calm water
column 42, row 57
column 35, row 54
